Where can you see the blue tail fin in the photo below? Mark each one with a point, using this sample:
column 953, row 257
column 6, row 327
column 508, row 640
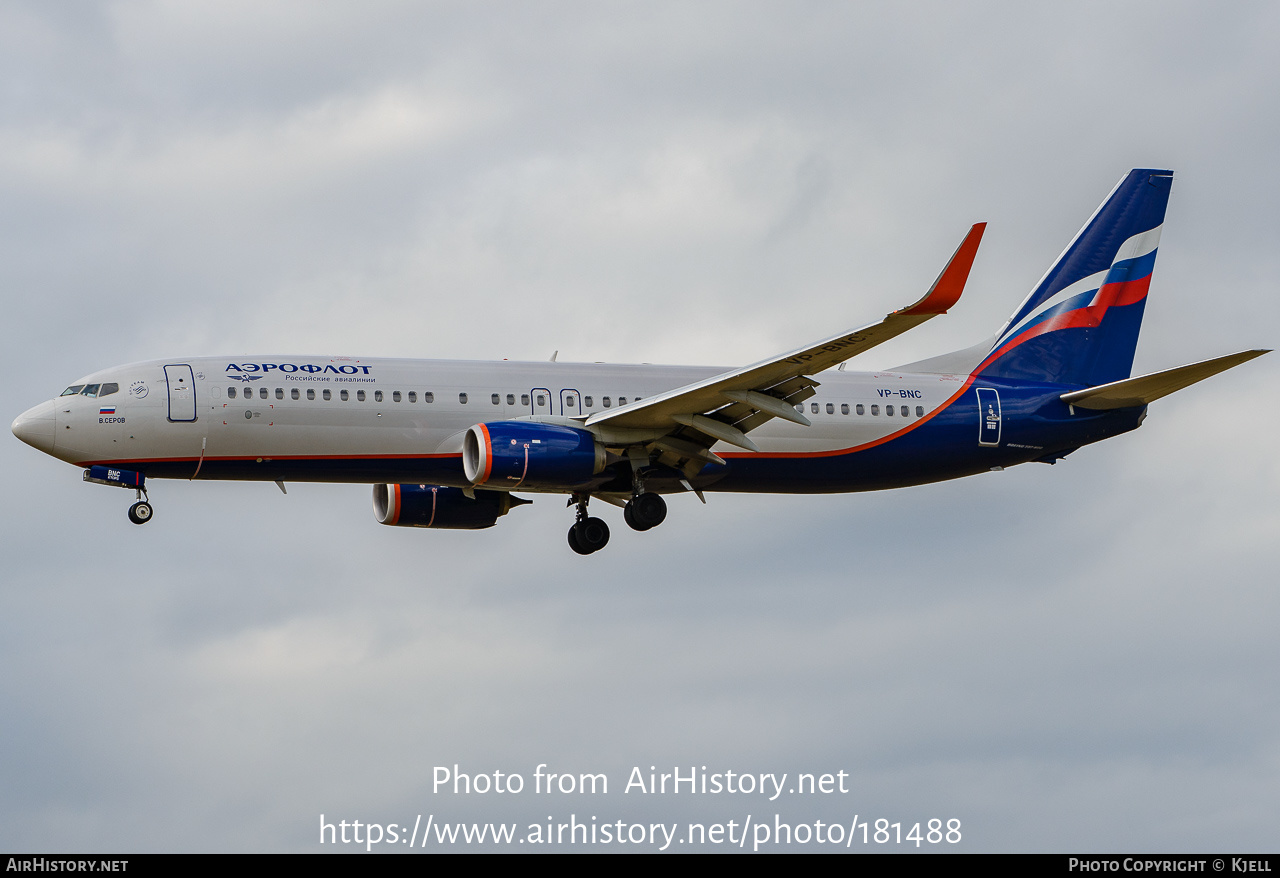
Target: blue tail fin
column 1080, row 324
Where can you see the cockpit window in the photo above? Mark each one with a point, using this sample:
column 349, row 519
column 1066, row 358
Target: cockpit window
column 108, row 389
column 73, row 390
column 90, row 390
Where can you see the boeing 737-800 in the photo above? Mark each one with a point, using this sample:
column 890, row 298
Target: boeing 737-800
column 445, row 443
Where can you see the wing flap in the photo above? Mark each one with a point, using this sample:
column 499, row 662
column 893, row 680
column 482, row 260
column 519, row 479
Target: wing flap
column 1148, row 388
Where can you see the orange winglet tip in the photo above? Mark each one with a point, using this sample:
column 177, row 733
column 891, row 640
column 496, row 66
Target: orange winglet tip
column 946, row 290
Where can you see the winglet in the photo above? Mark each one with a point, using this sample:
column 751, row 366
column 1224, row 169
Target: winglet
column 946, row 290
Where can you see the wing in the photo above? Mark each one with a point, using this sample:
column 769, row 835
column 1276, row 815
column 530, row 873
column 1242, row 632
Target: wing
column 726, row 407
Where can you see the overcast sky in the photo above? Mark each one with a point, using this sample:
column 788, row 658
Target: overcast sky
column 1071, row 658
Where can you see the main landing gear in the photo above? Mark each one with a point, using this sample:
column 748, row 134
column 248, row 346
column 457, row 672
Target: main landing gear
column 645, row 510
column 587, row 534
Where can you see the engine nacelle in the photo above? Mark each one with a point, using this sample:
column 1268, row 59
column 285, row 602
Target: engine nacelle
column 434, row 506
column 526, row 454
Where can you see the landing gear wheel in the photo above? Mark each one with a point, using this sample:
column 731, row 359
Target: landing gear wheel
column 589, row 535
column 645, row 511
column 140, row 512
column 574, row 544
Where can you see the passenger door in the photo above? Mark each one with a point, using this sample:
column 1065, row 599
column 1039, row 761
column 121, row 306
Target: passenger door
column 988, row 416
column 182, row 392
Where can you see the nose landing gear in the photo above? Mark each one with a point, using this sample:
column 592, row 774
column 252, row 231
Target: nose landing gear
column 141, row 512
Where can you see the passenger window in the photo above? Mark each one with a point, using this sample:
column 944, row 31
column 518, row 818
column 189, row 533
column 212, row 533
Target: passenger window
column 511, row 399
column 377, row 396
column 262, row 393
column 542, row 399
column 326, row 393
column 231, row 393
column 844, row 408
column 496, row 399
column 524, row 399
column 413, row 396
column 346, row 395
column 462, row 398
column 800, row 408
column 428, row 396
column 888, row 411
column 875, row 410
column 606, row 402
column 813, row 408
column 90, row 390
column 395, row 396
column 904, row 411
column 108, row 389
column 311, row 393
column 587, row 401
column 919, row 411
column 359, row 396
column 622, row 400
column 831, row 409
column 73, row 390
column 279, row 393
column 859, row 409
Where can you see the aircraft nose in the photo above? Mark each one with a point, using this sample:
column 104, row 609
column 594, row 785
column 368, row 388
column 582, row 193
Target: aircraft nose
column 35, row 426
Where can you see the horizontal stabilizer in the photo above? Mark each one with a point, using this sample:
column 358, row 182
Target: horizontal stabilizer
column 1148, row 388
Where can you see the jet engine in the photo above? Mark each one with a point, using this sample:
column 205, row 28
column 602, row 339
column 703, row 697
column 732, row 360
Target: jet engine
column 525, row 454
column 436, row 506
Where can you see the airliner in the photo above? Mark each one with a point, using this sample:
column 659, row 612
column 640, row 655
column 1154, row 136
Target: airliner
column 446, row 444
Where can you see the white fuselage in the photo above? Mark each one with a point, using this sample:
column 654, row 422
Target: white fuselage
column 319, row 408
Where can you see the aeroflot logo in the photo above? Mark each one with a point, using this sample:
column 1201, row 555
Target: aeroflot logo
column 311, row 368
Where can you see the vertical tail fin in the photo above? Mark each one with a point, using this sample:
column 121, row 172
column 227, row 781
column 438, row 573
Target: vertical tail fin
column 1080, row 324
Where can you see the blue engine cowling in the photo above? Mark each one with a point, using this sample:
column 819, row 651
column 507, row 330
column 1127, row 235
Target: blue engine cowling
column 525, row 454
column 435, row 506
